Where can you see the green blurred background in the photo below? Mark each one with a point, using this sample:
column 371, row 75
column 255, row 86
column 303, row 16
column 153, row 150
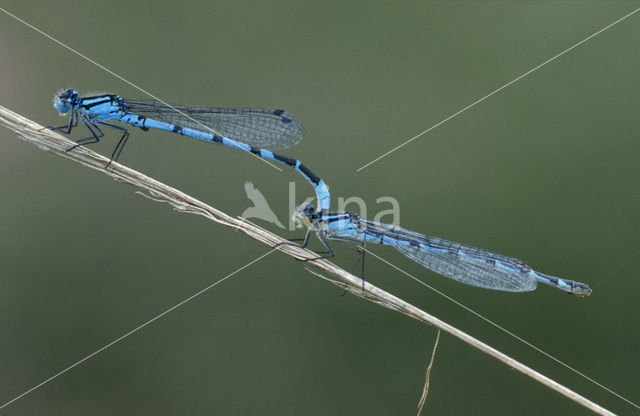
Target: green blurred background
column 546, row 170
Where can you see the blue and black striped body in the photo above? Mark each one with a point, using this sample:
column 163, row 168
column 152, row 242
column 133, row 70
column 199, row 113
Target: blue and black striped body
column 253, row 127
column 466, row 264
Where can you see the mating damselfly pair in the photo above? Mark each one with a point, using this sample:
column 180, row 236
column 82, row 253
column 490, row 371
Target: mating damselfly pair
column 253, row 129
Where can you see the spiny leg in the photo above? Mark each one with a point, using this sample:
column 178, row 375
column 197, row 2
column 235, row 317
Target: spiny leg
column 322, row 239
column 325, row 243
column 95, row 138
column 116, row 152
column 290, row 242
column 73, row 122
column 123, row 140
column 355, row 263
column 353, row 243
column 305, row 242
column 364, row 252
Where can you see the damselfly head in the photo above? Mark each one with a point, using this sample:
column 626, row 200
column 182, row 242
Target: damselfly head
column 304, row 215
column 65, row 100
column 580, row 290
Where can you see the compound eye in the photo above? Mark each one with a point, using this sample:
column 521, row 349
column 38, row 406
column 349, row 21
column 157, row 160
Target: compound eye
column 69, row 95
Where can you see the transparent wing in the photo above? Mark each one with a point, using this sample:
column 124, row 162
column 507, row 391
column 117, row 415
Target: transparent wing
column 261, row 127
column 469, row 265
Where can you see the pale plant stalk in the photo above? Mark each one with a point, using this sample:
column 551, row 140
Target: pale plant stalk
column 53, row 142
column 425, row 390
